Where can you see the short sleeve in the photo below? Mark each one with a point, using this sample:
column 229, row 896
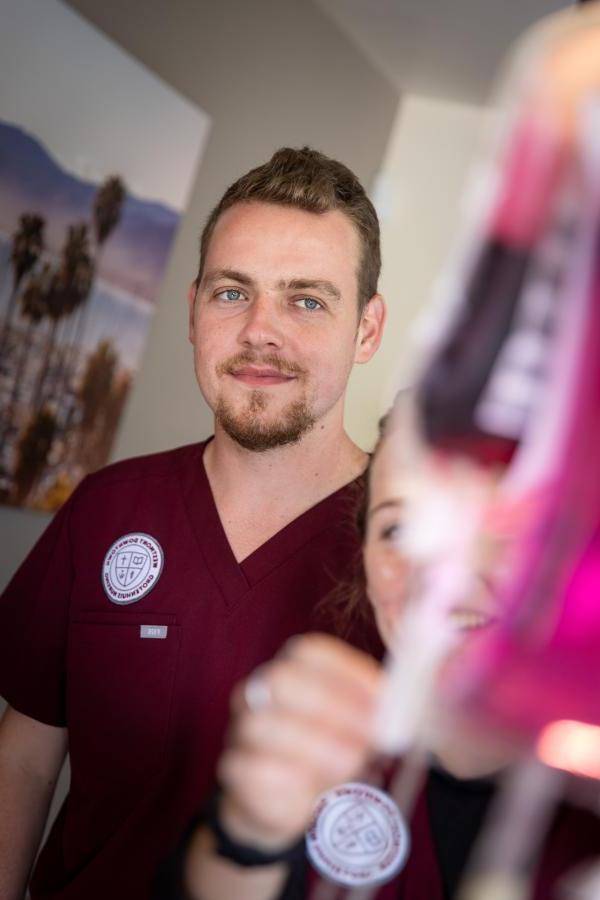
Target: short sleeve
column 33, row 626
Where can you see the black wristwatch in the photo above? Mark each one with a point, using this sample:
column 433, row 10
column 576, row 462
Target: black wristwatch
column 245, row 854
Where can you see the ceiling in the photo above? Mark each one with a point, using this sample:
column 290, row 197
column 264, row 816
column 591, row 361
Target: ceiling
column 437, row 48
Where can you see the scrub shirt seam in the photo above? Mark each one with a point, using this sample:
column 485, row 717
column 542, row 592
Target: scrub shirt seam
column 347, row 512
column 144, row 476
column 286, row 559
column 198, row 544
column 175, row 669
column 69, row 617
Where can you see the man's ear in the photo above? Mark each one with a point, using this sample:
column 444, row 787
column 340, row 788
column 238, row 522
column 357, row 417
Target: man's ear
column 370, row 329
column 192, row 292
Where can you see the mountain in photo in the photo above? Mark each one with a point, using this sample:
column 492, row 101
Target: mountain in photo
column 136, row 252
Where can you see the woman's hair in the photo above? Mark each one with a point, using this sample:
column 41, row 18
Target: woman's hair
column 347, row 605
column 363, row 506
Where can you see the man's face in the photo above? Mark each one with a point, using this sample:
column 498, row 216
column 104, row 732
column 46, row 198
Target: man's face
column 275, row 323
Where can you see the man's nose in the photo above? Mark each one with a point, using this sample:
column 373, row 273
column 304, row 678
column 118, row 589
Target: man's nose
column 262, row 326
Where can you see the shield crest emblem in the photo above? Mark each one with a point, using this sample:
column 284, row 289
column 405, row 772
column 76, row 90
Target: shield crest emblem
column 129, row 567
column 356, row 831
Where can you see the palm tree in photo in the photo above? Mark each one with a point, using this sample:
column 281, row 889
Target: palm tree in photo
column 34, row 307
column 97, row 383
column 69, row 288
column 94, row 395
column 108, row 206
column 114, row 405
column 33, row 450
column 26, row 249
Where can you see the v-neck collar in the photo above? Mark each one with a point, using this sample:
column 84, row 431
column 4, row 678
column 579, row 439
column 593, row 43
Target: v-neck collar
column 234, row 578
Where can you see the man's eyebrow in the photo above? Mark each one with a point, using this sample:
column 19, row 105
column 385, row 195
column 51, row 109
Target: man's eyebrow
column 313, row 284
column 295, row 284
column 231, row 274
column 386, row 504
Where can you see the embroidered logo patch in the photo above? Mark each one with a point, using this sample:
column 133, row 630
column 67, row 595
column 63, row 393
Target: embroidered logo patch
column 358, row 836
column 131, row 568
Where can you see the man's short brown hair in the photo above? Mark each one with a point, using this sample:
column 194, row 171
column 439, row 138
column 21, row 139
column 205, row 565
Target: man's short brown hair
column 311, row 181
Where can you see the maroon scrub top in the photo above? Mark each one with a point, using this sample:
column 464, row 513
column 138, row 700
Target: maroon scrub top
column 146, row 715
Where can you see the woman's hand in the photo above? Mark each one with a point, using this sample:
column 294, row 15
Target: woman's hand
column 313, row 731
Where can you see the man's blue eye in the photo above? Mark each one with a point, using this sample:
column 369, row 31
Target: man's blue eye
column 310, row 303
column 231, row 294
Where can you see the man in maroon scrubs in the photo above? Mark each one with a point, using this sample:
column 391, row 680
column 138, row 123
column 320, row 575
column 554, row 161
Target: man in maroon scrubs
column 166, row 579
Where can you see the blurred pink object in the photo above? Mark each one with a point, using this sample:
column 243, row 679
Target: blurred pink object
column 514, row 380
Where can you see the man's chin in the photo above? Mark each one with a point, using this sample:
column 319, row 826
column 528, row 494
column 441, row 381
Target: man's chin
column 256, row 433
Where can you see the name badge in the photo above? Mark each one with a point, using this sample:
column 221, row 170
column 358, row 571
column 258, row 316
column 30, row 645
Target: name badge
column 154, row 631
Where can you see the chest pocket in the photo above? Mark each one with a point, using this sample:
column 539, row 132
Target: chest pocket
column 120, row 693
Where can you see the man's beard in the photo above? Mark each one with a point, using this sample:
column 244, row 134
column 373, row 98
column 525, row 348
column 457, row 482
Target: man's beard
column 249, row 432
column 246, row 427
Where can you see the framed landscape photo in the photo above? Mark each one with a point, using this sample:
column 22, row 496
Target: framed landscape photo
column 97, row 159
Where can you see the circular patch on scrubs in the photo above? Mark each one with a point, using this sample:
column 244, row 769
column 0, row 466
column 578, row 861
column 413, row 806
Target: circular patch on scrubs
column 358, row 836
column 131, row 568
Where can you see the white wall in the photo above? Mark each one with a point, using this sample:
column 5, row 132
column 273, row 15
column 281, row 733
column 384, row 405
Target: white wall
column 283, row 74
column 269, row 73
column 418, row 194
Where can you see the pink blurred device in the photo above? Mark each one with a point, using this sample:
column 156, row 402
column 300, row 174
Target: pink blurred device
column 513, row 382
